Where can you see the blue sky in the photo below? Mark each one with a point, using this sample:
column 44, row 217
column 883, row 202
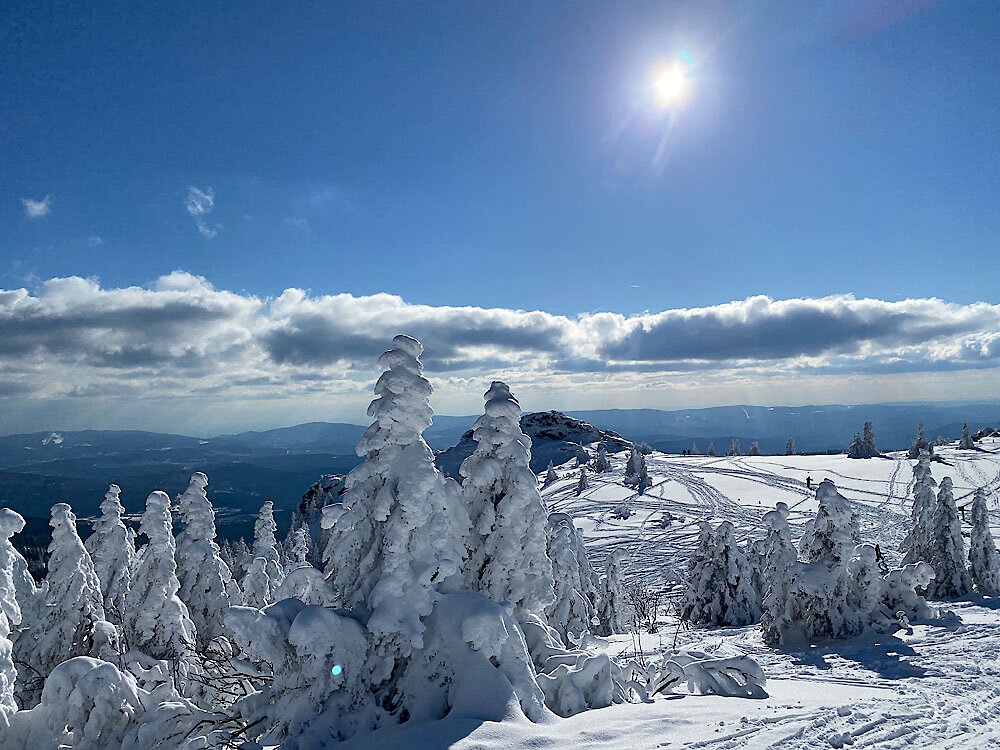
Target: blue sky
column 506, row 156
column 406, row 148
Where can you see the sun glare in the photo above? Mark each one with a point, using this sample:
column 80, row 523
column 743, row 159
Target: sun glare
column 670, row 85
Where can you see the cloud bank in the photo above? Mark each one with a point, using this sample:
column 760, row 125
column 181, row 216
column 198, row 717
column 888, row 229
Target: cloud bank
column 179, row 340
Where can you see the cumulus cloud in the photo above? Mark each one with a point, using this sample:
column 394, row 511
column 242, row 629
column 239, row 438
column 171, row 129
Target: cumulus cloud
column 37, row 209
column 181, row 338
column 199, row 204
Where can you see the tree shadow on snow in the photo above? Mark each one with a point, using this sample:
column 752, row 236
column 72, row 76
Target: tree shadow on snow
column 882, row 654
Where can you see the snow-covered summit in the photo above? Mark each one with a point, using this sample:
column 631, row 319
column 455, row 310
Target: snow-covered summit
column 555, row 437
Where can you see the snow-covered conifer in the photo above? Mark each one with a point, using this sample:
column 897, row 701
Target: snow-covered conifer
column 790, row 446
column 951, row 578
column 266, row 545
column 507, row 558
column 73, row 615
column 694, row 448
column 636, row 475
column 157, row 622
column 734, row 448
column 719, row 589
column 601, row 464
column 984, row 562
column 401, row 536
column 967, row 442
column 868, row 441
column 258, row 588
column 755, row 449
column 572, row 610
column 831, row 536
column 614, row 613
column 298, row 554
column 551, row 477
column 206, row 581
column 112, row 548
column 919, row 444
column 917, row 543
column 711, row 449
column 779, row 558
column 856, row 449
column 10, row 613
column 581, row 483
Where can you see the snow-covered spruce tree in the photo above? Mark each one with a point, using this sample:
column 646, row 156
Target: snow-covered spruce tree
column 694, row 448
column 601, row 464
column 831, row 536
column 112, row 548
column 711, row 449
column 265, row 545
column 551, row 477
column 258, row 590
column 206, row 583
column 10, row 613
column 756, row 559
column 790, row 446
column 719, row 589
column 856, row 449
column 984, row 562
column 72, row 622
column 779, row 558
column 507, row 559
column 572, row 609
column 967, row 442
column 919, row 444
column 401, row 536
column 917, row 544
column 614, row 613
column 157, row 623
column 298, row 554
column 581, row 483
column 636, row 475
column 755, row 449
column 734, row 448
column 868, row 441
column 951, row 578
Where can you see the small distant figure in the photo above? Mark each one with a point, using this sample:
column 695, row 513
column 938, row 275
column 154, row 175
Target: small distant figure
column 809, row 482
column 880, row 559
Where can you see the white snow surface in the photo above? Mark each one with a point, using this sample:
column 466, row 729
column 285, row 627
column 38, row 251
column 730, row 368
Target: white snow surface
column 930, row 686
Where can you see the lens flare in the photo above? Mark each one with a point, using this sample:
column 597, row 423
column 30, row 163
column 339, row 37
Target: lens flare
column 337, row 669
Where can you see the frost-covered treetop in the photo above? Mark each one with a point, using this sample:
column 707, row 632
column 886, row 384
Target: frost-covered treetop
column 196, row 510
column 401, row 408
column 11, row 523
column 111, row 506
column 155, row 522
column 831, row 536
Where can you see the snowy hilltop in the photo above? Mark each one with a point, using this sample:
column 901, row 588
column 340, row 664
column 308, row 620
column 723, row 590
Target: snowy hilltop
column 803, row 601
column 555, row 438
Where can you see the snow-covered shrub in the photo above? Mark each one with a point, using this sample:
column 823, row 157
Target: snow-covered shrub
column 900, row 598
column 308, row 585
column 73, row 610
column 10, row 613
column 157, row 622
column 636, row 475
column 207, row 586
column 984, row 562
column 706, row 674
column 855, row 449
column 719, row 589
column 401, row 536
column 581, row 483
column 614, row 612
column 755, row 449
column 320, row 686
column 572, row 609
column 507, row 559
column 947, row 557
column 112, row 548
column 601, row 463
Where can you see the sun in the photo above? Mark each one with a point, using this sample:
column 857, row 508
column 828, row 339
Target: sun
column 669, row 86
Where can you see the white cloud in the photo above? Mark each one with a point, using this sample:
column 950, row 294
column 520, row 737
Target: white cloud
column 182, row 341
column 199, row 204
column 37, row 209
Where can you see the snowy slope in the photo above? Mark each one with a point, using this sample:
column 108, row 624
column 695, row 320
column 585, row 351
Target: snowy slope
column 935, row 687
